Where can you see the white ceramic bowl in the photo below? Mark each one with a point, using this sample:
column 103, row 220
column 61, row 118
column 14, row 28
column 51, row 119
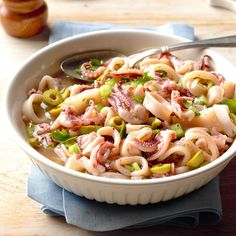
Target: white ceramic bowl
column 46, row 61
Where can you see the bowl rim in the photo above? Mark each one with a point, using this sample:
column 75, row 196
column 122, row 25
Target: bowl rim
column 22, row 143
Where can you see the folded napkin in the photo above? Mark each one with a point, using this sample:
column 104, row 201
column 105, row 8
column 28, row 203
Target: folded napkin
column 199, row 207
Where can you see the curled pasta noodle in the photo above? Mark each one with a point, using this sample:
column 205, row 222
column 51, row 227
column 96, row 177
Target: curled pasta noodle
column 178, row 149
column 88, row 149
column 196, row 133
column 47, row 82
column 108, row 113
column 61, row 154
column 75, row 163
column 86, row 139
column 29, row 111
column 177, row 106
column 118, row 64
column 146, row 62
column 130, row 128
column 181, row 169
column 222, row 113
column 215, row 95
column 170, row 72
column 112, row 132
column 166, row 137
column 79, row 102
column 121, row 162
column 78, row 88
column 192, row 80
column 229, row 89
column 98, row 156
column 92, row 166
column 207, row 118
column 139, row 91
column 188, row 66
column 127, row 148
column 144, row 140
column 157, row 105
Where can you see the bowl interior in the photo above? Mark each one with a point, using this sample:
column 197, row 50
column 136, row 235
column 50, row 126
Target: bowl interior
column 47, row 61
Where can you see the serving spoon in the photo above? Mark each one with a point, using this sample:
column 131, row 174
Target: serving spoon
column 70, row 64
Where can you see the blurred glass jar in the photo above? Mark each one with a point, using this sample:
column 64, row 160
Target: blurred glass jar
column 23, row 18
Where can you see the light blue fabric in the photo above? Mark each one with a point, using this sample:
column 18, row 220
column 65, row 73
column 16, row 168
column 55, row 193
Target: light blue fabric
column 64, row 29
column 200, row 207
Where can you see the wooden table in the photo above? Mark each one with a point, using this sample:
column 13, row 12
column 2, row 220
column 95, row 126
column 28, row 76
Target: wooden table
column 19, row 215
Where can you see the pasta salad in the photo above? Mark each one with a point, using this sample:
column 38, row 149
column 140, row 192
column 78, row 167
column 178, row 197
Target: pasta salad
column 164, row 117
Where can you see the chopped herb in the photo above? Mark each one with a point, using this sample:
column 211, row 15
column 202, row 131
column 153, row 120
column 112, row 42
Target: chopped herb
column 111, row 82
column 144, row 79
column 195, row 110
column 95, row 62
column 60, row 136
column 30, row 129
column 123, row 132
column 78, row 71
column 126, row 80
column 187, row 104
column 99, row 106
column 202, row 100
column 89, row 128
column 134, row 85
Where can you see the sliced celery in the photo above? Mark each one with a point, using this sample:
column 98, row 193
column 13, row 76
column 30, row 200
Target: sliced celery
column 202, row 100
column 231, row 103
column 138, row 99
column 155, row 123
column 105, row 90
column 111, row 82
column 74, row 148
column 116, row 122
column 56, row 110
column 156, row 131
column 52, row 97
column 196, row 160
column 65, row 93
column 89, row 128
column 34, row 142
column 178, row 130
column 161, row 169
column 99, row 106
column 130, row 168
column 136, row 166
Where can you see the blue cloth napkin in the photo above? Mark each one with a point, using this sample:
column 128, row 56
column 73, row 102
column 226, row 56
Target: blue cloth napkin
column 199, row 207
column 63, row 29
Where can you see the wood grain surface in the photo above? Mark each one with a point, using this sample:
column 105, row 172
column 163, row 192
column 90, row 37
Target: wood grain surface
column 19, row 215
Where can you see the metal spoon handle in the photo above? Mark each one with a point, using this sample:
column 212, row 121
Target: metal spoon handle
column 228, row 41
